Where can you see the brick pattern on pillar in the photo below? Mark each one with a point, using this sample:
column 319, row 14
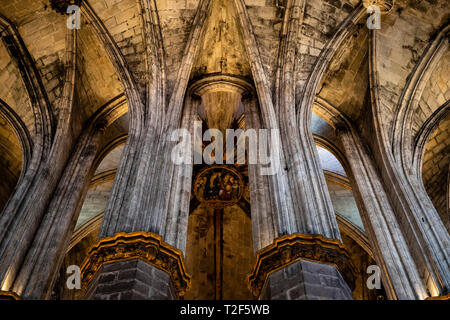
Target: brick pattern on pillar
column 131, row 280
column 305, row 280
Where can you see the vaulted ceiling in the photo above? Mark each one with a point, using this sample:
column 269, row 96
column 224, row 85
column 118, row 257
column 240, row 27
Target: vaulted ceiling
column 222, row 49
column 345, row 84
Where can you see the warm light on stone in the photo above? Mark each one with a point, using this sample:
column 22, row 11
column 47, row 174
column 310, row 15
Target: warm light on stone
column 112, row 182
column 384, row 5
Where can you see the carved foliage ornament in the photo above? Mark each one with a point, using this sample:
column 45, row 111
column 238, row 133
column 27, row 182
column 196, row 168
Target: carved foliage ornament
column 62, row 5
column 291, row 248
column 446, row 297
column 145, row 246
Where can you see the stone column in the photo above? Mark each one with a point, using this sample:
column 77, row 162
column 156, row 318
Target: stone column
column 131, row 280
column 424, row 230
column 120, row 280
column 26, row 208
column 313, row 216
column 140, row 202
column 399, row 273
column 264, row 227
column 37, row 276
column 303, row 267
column 177, row 219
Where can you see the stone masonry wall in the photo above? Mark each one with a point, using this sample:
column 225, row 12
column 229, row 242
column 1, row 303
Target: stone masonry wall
column 13, row 91
column 304, row 280
column 123, row 21
column 436, row 163
column 132, row 280
column 401, row 41
column 435, row 94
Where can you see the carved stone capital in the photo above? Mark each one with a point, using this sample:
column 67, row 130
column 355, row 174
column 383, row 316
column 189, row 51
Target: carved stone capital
column 291, row 248
column 8, row 295
column 145, row 246
column 62, row 5
column 384, row 5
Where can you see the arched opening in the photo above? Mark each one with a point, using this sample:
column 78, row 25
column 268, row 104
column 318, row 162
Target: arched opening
column 351, row 227
column 11, row 158
column 94, row 204
column 435, row 169
column 350, row 224
column 101, row 183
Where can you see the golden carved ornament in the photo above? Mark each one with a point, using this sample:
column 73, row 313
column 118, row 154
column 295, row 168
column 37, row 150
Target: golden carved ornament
column 446, row 297
column 291, row 248
column 146, row 246
column 8, row 295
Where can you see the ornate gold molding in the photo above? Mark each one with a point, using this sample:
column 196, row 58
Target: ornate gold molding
column 291, row 248
column 446, row 297
column 8, row 295
column 146, row 246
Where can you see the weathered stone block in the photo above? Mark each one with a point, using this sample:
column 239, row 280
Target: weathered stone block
column 131, row 280
column 305, row 280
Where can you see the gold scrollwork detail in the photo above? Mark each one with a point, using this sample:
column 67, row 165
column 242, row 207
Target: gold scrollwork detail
column 291, row 248
column 146, row 246
column 8, row 295
column 446, row 297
